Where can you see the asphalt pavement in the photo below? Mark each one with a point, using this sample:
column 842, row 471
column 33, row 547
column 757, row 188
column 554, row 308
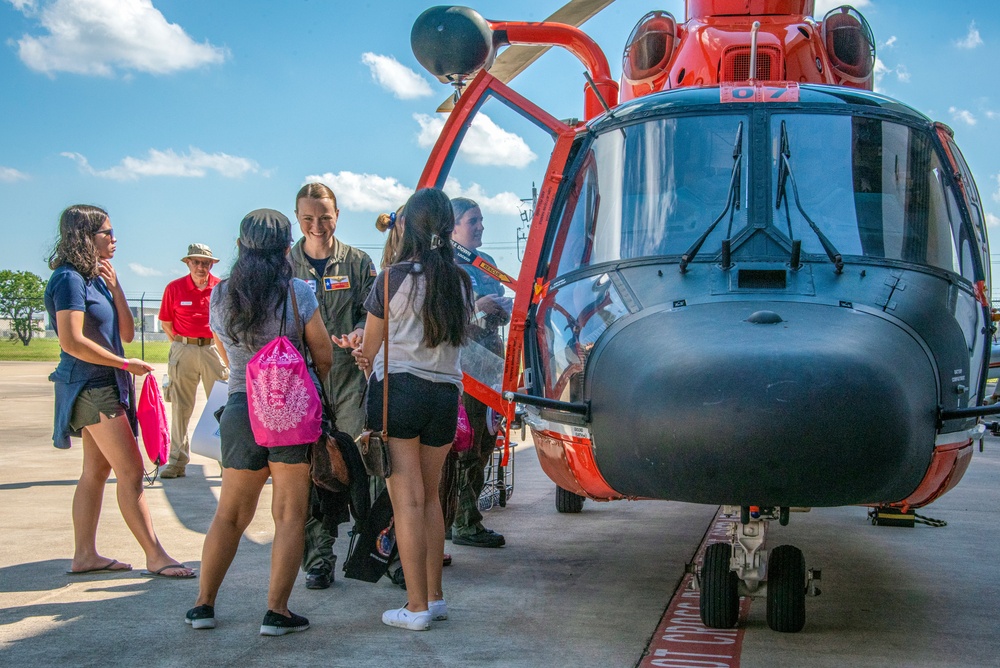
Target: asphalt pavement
column 567, row 590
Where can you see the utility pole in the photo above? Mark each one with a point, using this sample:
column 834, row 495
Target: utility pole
column 527, row 212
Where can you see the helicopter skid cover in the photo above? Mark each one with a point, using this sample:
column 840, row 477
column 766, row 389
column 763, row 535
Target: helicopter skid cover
column 830, row 406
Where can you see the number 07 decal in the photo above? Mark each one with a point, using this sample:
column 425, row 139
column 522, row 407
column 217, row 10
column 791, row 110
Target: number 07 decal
column 766, row 91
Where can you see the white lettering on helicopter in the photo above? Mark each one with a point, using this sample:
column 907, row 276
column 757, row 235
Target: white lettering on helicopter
column 772, row 91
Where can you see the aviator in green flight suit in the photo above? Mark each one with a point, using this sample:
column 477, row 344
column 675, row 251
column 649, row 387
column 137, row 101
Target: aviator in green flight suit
column 341, row 288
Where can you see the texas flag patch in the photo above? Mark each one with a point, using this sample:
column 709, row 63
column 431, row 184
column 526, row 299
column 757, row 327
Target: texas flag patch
column 336, row 282
column 371, row 270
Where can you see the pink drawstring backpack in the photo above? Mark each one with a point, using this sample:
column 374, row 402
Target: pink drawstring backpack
column 284, row 405
column 152, row 416
column 463, row 433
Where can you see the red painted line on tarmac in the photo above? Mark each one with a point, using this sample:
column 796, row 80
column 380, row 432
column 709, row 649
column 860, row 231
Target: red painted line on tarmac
column 681, row 640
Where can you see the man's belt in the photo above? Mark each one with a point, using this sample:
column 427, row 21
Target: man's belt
column 193, row 341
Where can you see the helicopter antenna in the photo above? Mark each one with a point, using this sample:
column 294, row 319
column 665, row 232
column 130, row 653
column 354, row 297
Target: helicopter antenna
column 753, row 50
column 597, row 92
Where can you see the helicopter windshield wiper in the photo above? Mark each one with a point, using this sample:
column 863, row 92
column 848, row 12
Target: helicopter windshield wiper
column 784, row 176
column 732, row 201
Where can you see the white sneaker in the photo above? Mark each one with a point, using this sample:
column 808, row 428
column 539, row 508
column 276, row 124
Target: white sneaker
column 438, row 610
column 404, row 619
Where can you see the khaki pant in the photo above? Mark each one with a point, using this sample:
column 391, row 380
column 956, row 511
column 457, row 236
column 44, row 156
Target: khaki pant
column 188, row 365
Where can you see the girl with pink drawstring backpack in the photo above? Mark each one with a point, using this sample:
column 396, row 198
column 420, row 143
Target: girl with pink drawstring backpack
column 271, row 417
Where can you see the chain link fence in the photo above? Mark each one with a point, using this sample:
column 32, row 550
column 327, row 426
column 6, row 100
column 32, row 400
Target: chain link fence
column 145, row 309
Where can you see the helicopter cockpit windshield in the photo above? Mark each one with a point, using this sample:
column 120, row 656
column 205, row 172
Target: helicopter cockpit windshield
column 653, row 189
column 874, row 188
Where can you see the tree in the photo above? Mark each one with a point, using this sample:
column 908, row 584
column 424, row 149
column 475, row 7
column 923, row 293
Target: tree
column 22, row 295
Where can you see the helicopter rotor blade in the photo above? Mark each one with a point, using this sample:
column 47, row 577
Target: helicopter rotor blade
column 515, row 59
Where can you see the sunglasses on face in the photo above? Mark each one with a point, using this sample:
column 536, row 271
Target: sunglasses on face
column 201, row 263
column 110, row 232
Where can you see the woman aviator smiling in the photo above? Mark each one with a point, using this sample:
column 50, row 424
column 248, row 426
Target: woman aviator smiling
column 95, row 396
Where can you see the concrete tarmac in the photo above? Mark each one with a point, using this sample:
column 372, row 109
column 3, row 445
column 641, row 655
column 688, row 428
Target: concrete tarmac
column 567, row 590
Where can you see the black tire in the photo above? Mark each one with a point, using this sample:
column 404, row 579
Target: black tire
column 786, row 589
column 719, row 603
column 567, row 501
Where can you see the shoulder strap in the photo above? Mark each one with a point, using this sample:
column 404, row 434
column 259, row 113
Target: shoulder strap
column 385, row 358
column 295, row 314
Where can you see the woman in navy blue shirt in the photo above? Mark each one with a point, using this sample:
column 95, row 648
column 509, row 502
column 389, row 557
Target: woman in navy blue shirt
column 94, row 388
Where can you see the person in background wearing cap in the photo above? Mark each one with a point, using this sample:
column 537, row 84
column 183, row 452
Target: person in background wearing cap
column 248, row 310
column 193, row 357
column 341, row 278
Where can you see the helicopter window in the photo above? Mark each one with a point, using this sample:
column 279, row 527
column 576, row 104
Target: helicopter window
column 573, row 317
column 873, row 187
column 651, row 189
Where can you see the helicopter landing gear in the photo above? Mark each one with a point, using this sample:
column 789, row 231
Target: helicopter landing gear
column 567, row 501
column 742, row 567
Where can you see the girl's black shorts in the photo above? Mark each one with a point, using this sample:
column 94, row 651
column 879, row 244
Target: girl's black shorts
column 418, row 408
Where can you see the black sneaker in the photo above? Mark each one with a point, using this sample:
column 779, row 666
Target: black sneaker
column 202, row 617
column 320, row 577
column 481, row 538
column 278, row 625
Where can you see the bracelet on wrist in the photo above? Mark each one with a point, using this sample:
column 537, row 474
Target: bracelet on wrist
column 125, row 366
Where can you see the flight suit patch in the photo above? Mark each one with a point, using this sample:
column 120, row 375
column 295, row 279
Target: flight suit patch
column 312, row 283
column 336, row 282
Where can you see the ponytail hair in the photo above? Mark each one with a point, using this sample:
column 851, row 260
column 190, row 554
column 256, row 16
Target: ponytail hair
column 448, row 306
column 393, row 224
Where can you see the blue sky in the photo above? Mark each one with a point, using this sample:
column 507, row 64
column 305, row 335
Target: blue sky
column 179, row 116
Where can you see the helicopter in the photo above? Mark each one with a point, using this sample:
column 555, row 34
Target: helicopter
column 749, row 280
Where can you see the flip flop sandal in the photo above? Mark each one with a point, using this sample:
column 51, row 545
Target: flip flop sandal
column 106, row 568
column 158, row 573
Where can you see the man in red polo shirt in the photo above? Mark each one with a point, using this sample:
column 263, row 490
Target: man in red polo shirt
column 193, row 357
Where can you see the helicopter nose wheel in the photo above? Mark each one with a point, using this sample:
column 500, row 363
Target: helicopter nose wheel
column 741, row 567
column 719, row 602
column 786, row 589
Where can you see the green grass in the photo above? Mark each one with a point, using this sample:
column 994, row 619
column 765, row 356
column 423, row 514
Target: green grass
column 47, row 350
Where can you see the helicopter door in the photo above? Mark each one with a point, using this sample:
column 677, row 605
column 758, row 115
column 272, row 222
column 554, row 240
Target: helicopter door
column 501, row 151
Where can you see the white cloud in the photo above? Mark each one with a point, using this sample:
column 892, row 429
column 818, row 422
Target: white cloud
column 364, row 192
column 99, row 37
column 140, row 270
column 992, row 115
column 505, row 203
column 963, row 115
column 195, row 164
column 374, row 193
column 882, row 70
column 889, row 43
column 823, row 6
column 395, row 77
column 485, row 143
column 992, row 221
column 971, row 40
column 10, row 175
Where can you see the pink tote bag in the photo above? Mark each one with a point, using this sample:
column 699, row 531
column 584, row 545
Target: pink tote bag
column 152, row 415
